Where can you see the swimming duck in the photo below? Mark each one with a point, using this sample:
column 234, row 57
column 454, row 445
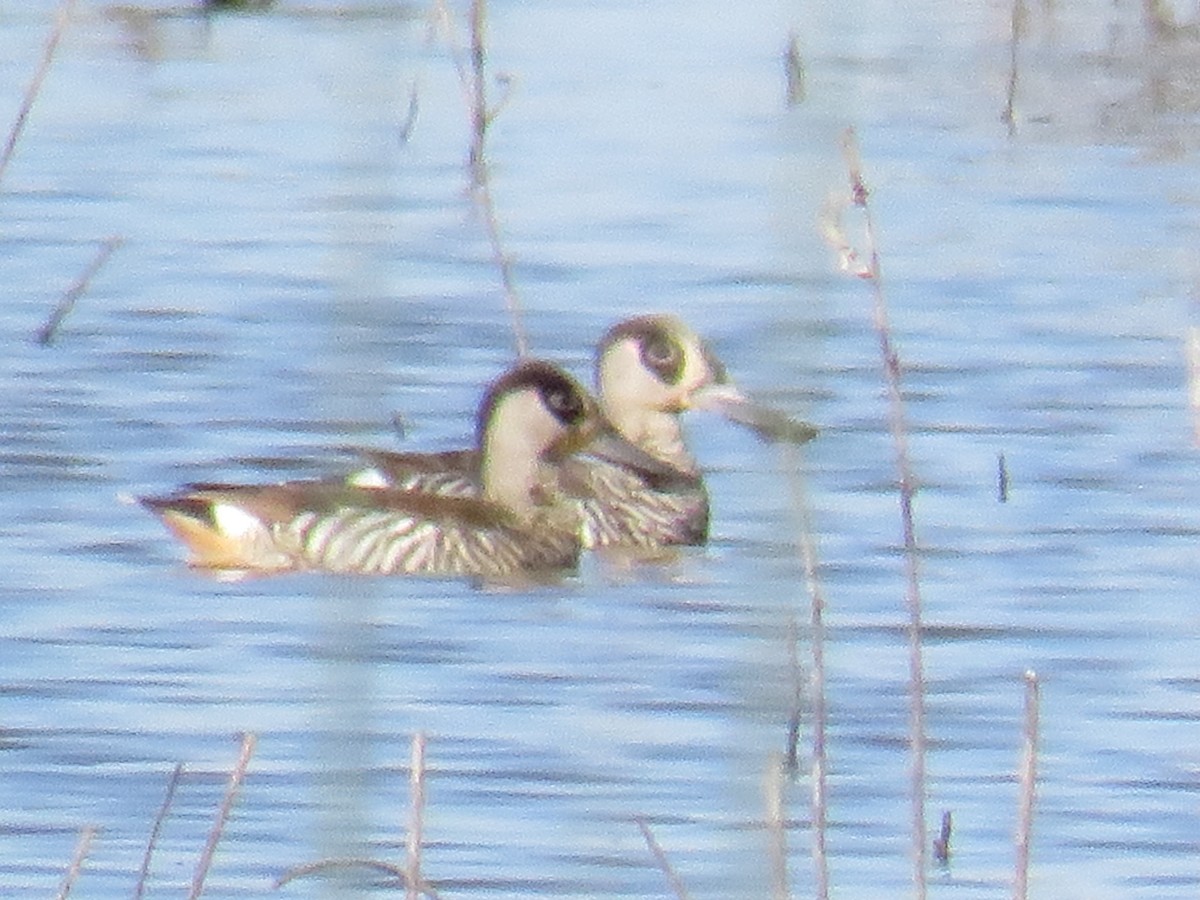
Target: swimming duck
column 649, row 370
column 530, row 421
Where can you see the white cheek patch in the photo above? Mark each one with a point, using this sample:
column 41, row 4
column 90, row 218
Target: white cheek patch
column 521, row 428
column 625, row 377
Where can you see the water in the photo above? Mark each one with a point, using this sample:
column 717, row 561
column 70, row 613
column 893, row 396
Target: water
column 292, row 275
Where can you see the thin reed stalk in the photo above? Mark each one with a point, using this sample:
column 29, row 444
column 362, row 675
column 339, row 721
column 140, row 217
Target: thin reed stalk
column 1008, row 117
column 774, row 787
column 82, row 846
column 49, row 330
column 1192, row 350
column 791, row 753
column 236, row 777
column 61, row 19
column 793, row 69
column 346, row 862
column 409, row 874
column 660, row 856
column 869, row 269
column 512, row 300
column 1027, row 779
column 481, row 119
column 471, row 67
column 941, row 843
column 818, row 802
column 144, row 873
column 416, row 818
column 355, row 862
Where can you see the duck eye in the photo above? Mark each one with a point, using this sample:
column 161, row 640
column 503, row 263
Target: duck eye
column 564, row 403
column 662, row 356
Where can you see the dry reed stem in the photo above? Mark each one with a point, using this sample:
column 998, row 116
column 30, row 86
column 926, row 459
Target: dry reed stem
column 82, row 846
column 660, row 857
column 416, row 819
column 481, row 119
column 1192, row 349
column 61, row 19
column 144, row 873
column 49, row 330
column 442, row 21
column 512, row 300
column 350, row 862
column 818, row 803
column 791, row 753
column 774, row 786
column 471, row 67
column 793, row 66
column 1028, row 786
column 249, row 741
column 410, row 873
column 941, row 843
column 1008, row 117
column 869, row 269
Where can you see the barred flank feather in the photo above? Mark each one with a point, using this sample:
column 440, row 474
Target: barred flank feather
column 385, row 543
column 620, row 508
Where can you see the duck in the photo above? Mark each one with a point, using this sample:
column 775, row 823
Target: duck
column 516, row 523
column 649, row 370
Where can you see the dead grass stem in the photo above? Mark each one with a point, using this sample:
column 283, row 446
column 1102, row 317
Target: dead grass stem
column 82, row 846
column 866, row 266
column 660, row 856
column 472, row 69
column 144, row 873
column 49, row 330
column 775, row 799
column 1008, row 116
column 1027, row 779
column 818, row 804
column 416, row 817
column 61, row 19
column 410, row 873
column 236, row 777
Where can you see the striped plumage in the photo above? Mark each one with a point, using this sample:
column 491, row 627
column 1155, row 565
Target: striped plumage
column 516, row 523
column 649, row 370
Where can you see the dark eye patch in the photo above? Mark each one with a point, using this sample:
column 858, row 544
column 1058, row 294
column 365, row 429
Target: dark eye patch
column 661, row 354
column 564, row 400
column 558, row 392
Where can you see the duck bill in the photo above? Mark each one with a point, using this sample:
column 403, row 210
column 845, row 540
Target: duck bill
column 769, row 424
